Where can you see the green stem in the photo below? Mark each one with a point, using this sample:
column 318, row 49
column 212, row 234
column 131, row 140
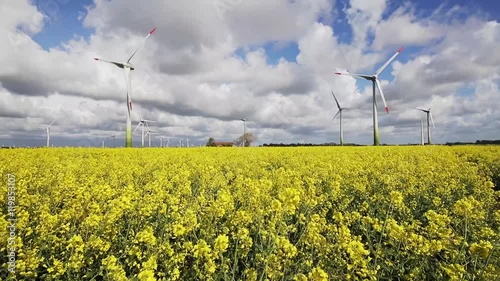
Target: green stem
column 235, row 260
column 487, row 263
column 382, row 234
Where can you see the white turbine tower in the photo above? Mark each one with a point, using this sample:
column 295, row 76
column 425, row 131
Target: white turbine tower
column 244, row 130
column 102, row 139
column 180, row 142
column 429, row 120
column 422, row 132
column 339, row 112
column 148, row 134
column 141, row 124
column 187, row 142
column 375, row 83
column 128, row 67
column 48, row 132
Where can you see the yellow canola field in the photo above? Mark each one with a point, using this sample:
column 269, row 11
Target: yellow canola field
column 324, row 213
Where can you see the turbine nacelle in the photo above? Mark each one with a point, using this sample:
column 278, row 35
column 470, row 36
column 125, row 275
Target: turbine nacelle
column 128, row 65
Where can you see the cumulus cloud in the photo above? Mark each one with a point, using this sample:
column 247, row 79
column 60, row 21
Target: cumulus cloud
column 190, row 79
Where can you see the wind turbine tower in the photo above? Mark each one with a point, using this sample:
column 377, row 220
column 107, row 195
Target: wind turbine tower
column 244, row 131
column 422, row 132
column 429, row 120
column 339, row 113
column 48, row 133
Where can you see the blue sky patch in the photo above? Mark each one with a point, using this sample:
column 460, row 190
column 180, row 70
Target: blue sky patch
column 61, row 21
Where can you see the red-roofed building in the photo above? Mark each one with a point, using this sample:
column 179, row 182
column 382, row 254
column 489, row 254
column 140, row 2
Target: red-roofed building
column 223, row 143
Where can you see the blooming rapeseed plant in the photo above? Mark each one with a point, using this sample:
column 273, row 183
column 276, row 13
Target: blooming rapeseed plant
column 329, row 213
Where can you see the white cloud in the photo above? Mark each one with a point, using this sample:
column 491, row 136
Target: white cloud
column 404, row 28
column 188, row 78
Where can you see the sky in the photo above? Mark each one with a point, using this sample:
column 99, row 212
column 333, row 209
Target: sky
column 211, row 63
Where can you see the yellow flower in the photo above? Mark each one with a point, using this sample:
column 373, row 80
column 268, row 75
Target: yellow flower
column 318, row 274
column 113, row 269
column 147, row 275
column 482, row 248
column 454, row 271
column 179, row 230
column 300, row 277
column 397, row 199
column 57, row 269
column 221, row 244
column 202, row 249
column 146, row 236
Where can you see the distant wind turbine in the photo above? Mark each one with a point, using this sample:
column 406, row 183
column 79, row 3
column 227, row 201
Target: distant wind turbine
column 163, row 137
column 375, row 83
column 128, row 67
column 429, row 119
column 148, row 134
column 143, row 123
column 48, row 132
column 339, row 112
column 168, row 141
column 244, row 130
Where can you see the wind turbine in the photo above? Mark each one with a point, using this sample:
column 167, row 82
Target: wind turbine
column 128, row 67
column 48, row 132
column 180, row 142
column 102, row 140
column 148, row 134
column 244, row 130
column 167, row 139
column 429, row 118
column 339, row 112
column 375, row 83
column 113, row 137
column 161, row 139
column 142, row 123
column 187, row 142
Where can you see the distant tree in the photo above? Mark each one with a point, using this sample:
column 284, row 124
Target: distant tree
column 211, row 142
column 246, row 139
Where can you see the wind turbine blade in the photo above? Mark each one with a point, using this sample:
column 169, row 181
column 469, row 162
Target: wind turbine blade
column 382, row 95
column 138, row 125
column 338, row 105
column 143, row 42
column 52, row 123
column 119, row 64
column 388, row 62
column 368, row 77
column 338, row 112
column 420, row 109
column 432, row 120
